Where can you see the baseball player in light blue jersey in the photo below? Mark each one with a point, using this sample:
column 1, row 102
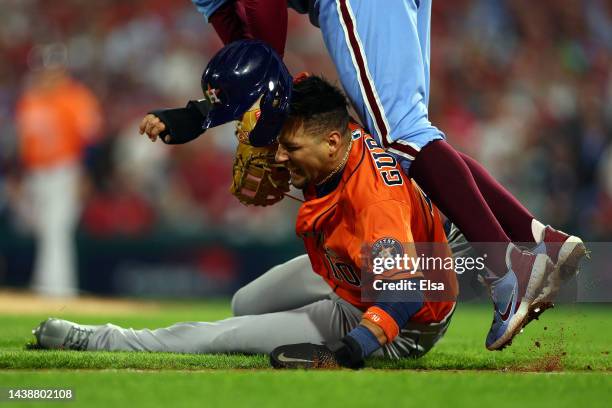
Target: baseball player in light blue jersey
column 369, row 65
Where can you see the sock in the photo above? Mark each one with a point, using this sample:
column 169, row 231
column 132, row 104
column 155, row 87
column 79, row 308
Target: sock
column 514, row 218
column 445, row 177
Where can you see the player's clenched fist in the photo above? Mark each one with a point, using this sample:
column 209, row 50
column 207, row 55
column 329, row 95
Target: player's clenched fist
column 152, row 126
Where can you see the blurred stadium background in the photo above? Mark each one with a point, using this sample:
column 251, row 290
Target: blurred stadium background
column 525, row 87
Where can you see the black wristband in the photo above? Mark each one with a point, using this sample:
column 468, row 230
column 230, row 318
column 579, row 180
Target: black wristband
column 348, row 352
column 183, row 124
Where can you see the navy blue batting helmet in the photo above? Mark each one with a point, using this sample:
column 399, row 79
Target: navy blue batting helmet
column 237, row 76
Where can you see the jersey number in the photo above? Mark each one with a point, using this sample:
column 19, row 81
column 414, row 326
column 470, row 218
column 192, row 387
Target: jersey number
column 343, row 272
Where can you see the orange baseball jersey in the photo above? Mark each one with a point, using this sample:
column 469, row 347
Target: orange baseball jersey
column 55, row 125
column 373, row 203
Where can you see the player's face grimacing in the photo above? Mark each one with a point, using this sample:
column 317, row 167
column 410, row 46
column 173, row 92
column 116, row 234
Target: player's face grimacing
column 308, row 157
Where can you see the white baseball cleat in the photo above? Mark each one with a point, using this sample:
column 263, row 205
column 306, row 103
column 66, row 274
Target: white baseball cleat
column 62, row 335
column 566, row 252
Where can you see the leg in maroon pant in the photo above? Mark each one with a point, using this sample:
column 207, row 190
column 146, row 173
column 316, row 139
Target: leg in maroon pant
column 228, row 23
column 510, row 213
column 446, row 178
column 267, row 21
column 264, row 20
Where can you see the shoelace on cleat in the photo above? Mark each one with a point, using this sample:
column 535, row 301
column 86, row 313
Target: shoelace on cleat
column 77, row 338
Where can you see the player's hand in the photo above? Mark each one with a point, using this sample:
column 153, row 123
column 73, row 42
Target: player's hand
column 152, row 126
column 307, row 355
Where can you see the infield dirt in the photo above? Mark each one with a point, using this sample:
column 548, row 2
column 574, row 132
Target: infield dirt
column 17, row 302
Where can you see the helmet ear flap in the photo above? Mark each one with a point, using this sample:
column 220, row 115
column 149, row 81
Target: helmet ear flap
column 270, row 122
column 274, row 105
column 269, row 101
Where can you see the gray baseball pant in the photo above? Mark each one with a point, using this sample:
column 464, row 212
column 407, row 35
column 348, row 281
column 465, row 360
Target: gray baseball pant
column 288, row 304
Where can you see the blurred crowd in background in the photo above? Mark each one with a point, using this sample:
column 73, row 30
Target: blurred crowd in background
column 523, row 86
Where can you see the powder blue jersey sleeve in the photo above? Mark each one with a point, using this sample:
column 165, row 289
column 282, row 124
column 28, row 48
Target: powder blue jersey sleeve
column 208, row 7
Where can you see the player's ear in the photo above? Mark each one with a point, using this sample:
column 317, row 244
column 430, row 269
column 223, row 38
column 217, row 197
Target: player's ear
column 334, row 141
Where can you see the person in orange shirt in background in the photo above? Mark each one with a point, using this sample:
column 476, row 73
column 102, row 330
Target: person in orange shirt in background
column 57, row 118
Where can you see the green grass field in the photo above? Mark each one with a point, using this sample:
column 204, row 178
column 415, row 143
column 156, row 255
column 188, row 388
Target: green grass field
column 561, row 360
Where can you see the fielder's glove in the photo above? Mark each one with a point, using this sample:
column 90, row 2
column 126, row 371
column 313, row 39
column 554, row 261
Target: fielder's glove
column 342, row 353
column 257, row 178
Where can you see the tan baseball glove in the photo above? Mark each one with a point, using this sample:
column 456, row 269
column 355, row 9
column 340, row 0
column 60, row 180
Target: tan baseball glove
column 257, row 178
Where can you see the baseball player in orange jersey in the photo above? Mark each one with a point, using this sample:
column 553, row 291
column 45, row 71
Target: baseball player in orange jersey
column 393, row 213
column 356, row 195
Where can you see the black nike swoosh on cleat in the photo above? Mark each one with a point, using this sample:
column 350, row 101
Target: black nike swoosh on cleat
column 506, row 314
